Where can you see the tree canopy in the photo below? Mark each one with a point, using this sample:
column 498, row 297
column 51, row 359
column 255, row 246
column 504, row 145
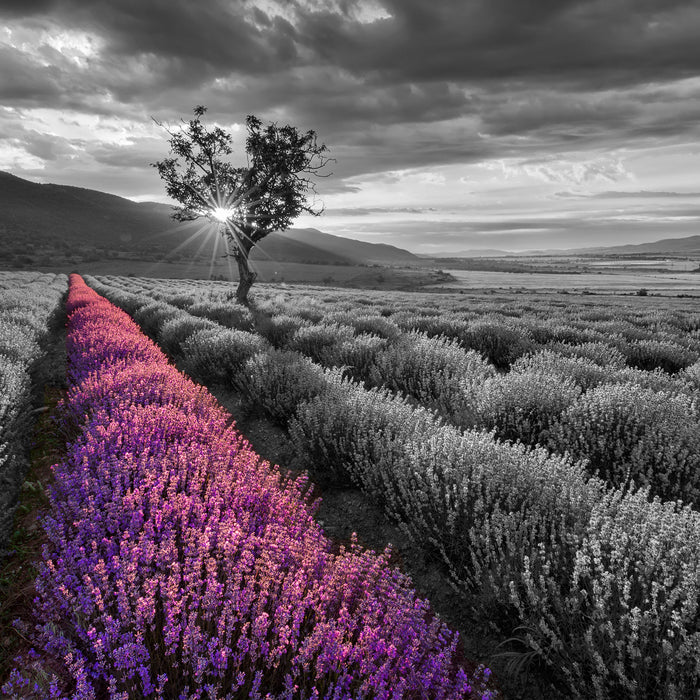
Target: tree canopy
column 250, row 201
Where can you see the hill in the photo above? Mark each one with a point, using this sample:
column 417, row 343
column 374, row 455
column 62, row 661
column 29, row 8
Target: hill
column 689, row 245
column 41, row 223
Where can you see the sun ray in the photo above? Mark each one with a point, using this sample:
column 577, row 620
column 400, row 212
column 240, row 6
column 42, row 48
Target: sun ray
column 228, row 259
column 186, row 242
column 211, row 232
column 214, row 251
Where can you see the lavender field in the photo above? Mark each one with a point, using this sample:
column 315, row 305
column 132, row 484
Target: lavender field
column 542, row 451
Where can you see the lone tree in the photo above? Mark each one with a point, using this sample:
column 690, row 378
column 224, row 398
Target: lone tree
column 248, row 202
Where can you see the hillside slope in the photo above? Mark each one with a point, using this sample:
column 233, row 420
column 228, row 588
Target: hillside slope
column 53, row 218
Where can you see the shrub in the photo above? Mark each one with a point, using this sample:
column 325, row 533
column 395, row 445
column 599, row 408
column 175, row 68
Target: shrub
column 278, row 380
column 447, row 324
column 479, row 505
column 320, row 342
column 602, row 354
column 631, row 433
column 217, row 354
column 26, row 310
column 625, row 623
column 500, row 343
column 523, row 405
column 691, row 375
column 279, row 329
column 176, row 330
column 230, row 315
column 179, row 564
column 437, row 372
column 357, row 356
column 153, row 315
column 375, row 325
column 582, row 371
column 18, row 342
column 653, row 354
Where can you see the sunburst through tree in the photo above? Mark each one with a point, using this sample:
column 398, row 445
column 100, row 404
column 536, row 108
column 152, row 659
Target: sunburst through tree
column 247, row 203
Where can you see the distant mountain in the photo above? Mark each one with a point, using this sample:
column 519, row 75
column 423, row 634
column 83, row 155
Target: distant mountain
column 471, row 253
column 41, row 219
column 689, row 245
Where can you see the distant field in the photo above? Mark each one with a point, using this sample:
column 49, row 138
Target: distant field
column 623, row 281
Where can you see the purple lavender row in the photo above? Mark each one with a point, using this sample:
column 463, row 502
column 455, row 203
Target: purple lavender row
column 181, row 565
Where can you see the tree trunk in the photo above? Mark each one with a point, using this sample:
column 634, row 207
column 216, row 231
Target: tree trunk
column 246, row 276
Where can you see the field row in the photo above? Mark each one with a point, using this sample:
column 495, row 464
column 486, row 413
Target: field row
column 629, row 424
column 29, row 303
column 602, row 582
column 180, row 564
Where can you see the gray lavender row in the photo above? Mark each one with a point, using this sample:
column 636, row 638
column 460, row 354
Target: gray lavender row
column 631, row 425
column 28, row 301
column 502, row 327
column 602, row 584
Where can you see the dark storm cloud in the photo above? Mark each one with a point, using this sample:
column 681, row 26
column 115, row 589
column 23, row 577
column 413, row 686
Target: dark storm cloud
column 25, row 8
column 214, row 35
column 431, row 83
column 20, row 79
column 602, row 42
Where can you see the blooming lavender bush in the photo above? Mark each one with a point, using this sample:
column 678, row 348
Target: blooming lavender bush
column 279, row 380
column 179, row 564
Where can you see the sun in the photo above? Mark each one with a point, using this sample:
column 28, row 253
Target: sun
column 222, row 214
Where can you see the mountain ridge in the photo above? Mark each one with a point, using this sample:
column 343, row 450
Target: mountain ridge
column 41, row 216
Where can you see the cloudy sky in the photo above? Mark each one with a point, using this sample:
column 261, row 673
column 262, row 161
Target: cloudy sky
column 455, row 124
